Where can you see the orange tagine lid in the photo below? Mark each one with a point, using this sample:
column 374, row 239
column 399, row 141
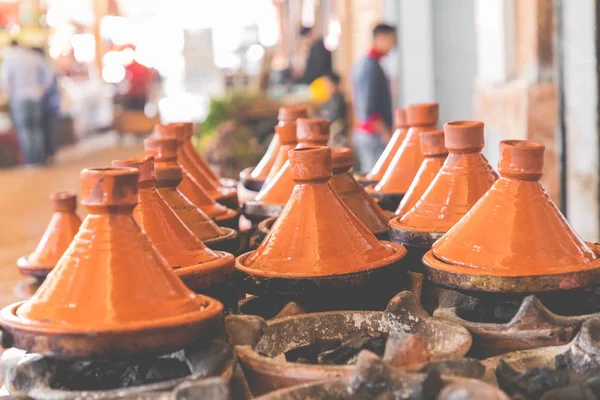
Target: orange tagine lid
column 287, row 139
column 110, row 294
column 316, row 235
column 526, row 234
column 180, row 248
column 434, row 153
column 401, row 128
column 465, row 176
column 408, row 158
column 63, row 226
column 312, row 132
column 353, row 193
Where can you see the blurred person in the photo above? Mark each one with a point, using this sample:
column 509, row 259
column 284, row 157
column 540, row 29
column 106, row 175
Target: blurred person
column 335, row 110
column 139, row 78
column 373, row 99
column 51, row 103
column 318, row 62
column 24, row 79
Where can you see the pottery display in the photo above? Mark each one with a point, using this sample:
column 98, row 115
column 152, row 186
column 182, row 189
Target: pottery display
column 61, row 229
column 287, row 140
column 110, row 294
column 254, row 178
column 168, row 178
column 189, row 159
column 316, row 237
column 434, row 152
column 531, row 247
column 273, row 196
column 407, row 160
column 382, row 164
column 203, row 270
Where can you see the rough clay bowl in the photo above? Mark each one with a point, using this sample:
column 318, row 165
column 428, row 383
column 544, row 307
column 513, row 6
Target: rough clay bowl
column 257, row 342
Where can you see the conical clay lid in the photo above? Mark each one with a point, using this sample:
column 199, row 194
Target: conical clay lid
column 434, row 152
column 465, row 176
column 408, row 158
column 526, row 233
column 168, row 177
column 287, row 140
column 312, row 132
column 353, row 194
column 317, row 234
column 382, row 164
column 61, row 229
column 110, row 279
column 171, row 238
column 262, row 169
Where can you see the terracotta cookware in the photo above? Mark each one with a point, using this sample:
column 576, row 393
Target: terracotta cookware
column 317, row 244
column 203, row 270
column 168, row 178
column 529, row 246
column 111, row 294
column 407, row 160
column 61, row 229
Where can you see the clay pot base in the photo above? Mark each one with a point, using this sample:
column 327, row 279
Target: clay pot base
column 229, row 242
column 463, row 278
column 34, row 374
column 256, row 211
column 270, row 339
column 389, row 276
column 411, row 237
column 387, row 201
column 231, row 219
column 35, row 271
column 250, row 183
column 228, row 197
column 121, row 341
column 533, row 325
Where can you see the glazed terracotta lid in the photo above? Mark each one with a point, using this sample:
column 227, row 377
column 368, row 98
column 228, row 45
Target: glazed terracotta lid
column 287, row 140
column 465, row 176
column 181, row 249
column 61, row 229
column 110, row 294
column 407, row 160
column 527, row 236
column 434, row 152
column 261, row 171
column 168, row 178
column 401, row 128
column 353, row 194
column 312, row 132
column 316, row 235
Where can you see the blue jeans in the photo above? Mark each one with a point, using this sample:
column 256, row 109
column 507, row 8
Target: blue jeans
column 28, row 117
column 368, row 148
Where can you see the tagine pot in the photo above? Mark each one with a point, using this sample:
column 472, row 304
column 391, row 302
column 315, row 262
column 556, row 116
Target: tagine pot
column 464, row 177
column 189, row 160
column 273, row 197
column 261, row 345
column 382, row 164
column 253, row 178
column 202, row 270
column 287, row 138
column 530, row 246
column 61, row 229
column 168, row 178
column 111, row 294
column 317, row 246
column 408, row 158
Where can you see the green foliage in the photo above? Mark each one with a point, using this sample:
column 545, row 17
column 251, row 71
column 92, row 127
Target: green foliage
column 230, row 107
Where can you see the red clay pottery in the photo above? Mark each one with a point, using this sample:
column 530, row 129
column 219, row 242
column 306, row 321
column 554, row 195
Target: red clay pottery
column 190, row 160
column 434, row 154
column 316, row 236
column 353, row 194
column 529, row 247
column 111, row 294
column 203, row 270
column 63, row 226
column 287, row 140
column 254, row 178
column 194, row 192
column 391, row 149
column 168, row 178
column 407, row 160
column 273, row 196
